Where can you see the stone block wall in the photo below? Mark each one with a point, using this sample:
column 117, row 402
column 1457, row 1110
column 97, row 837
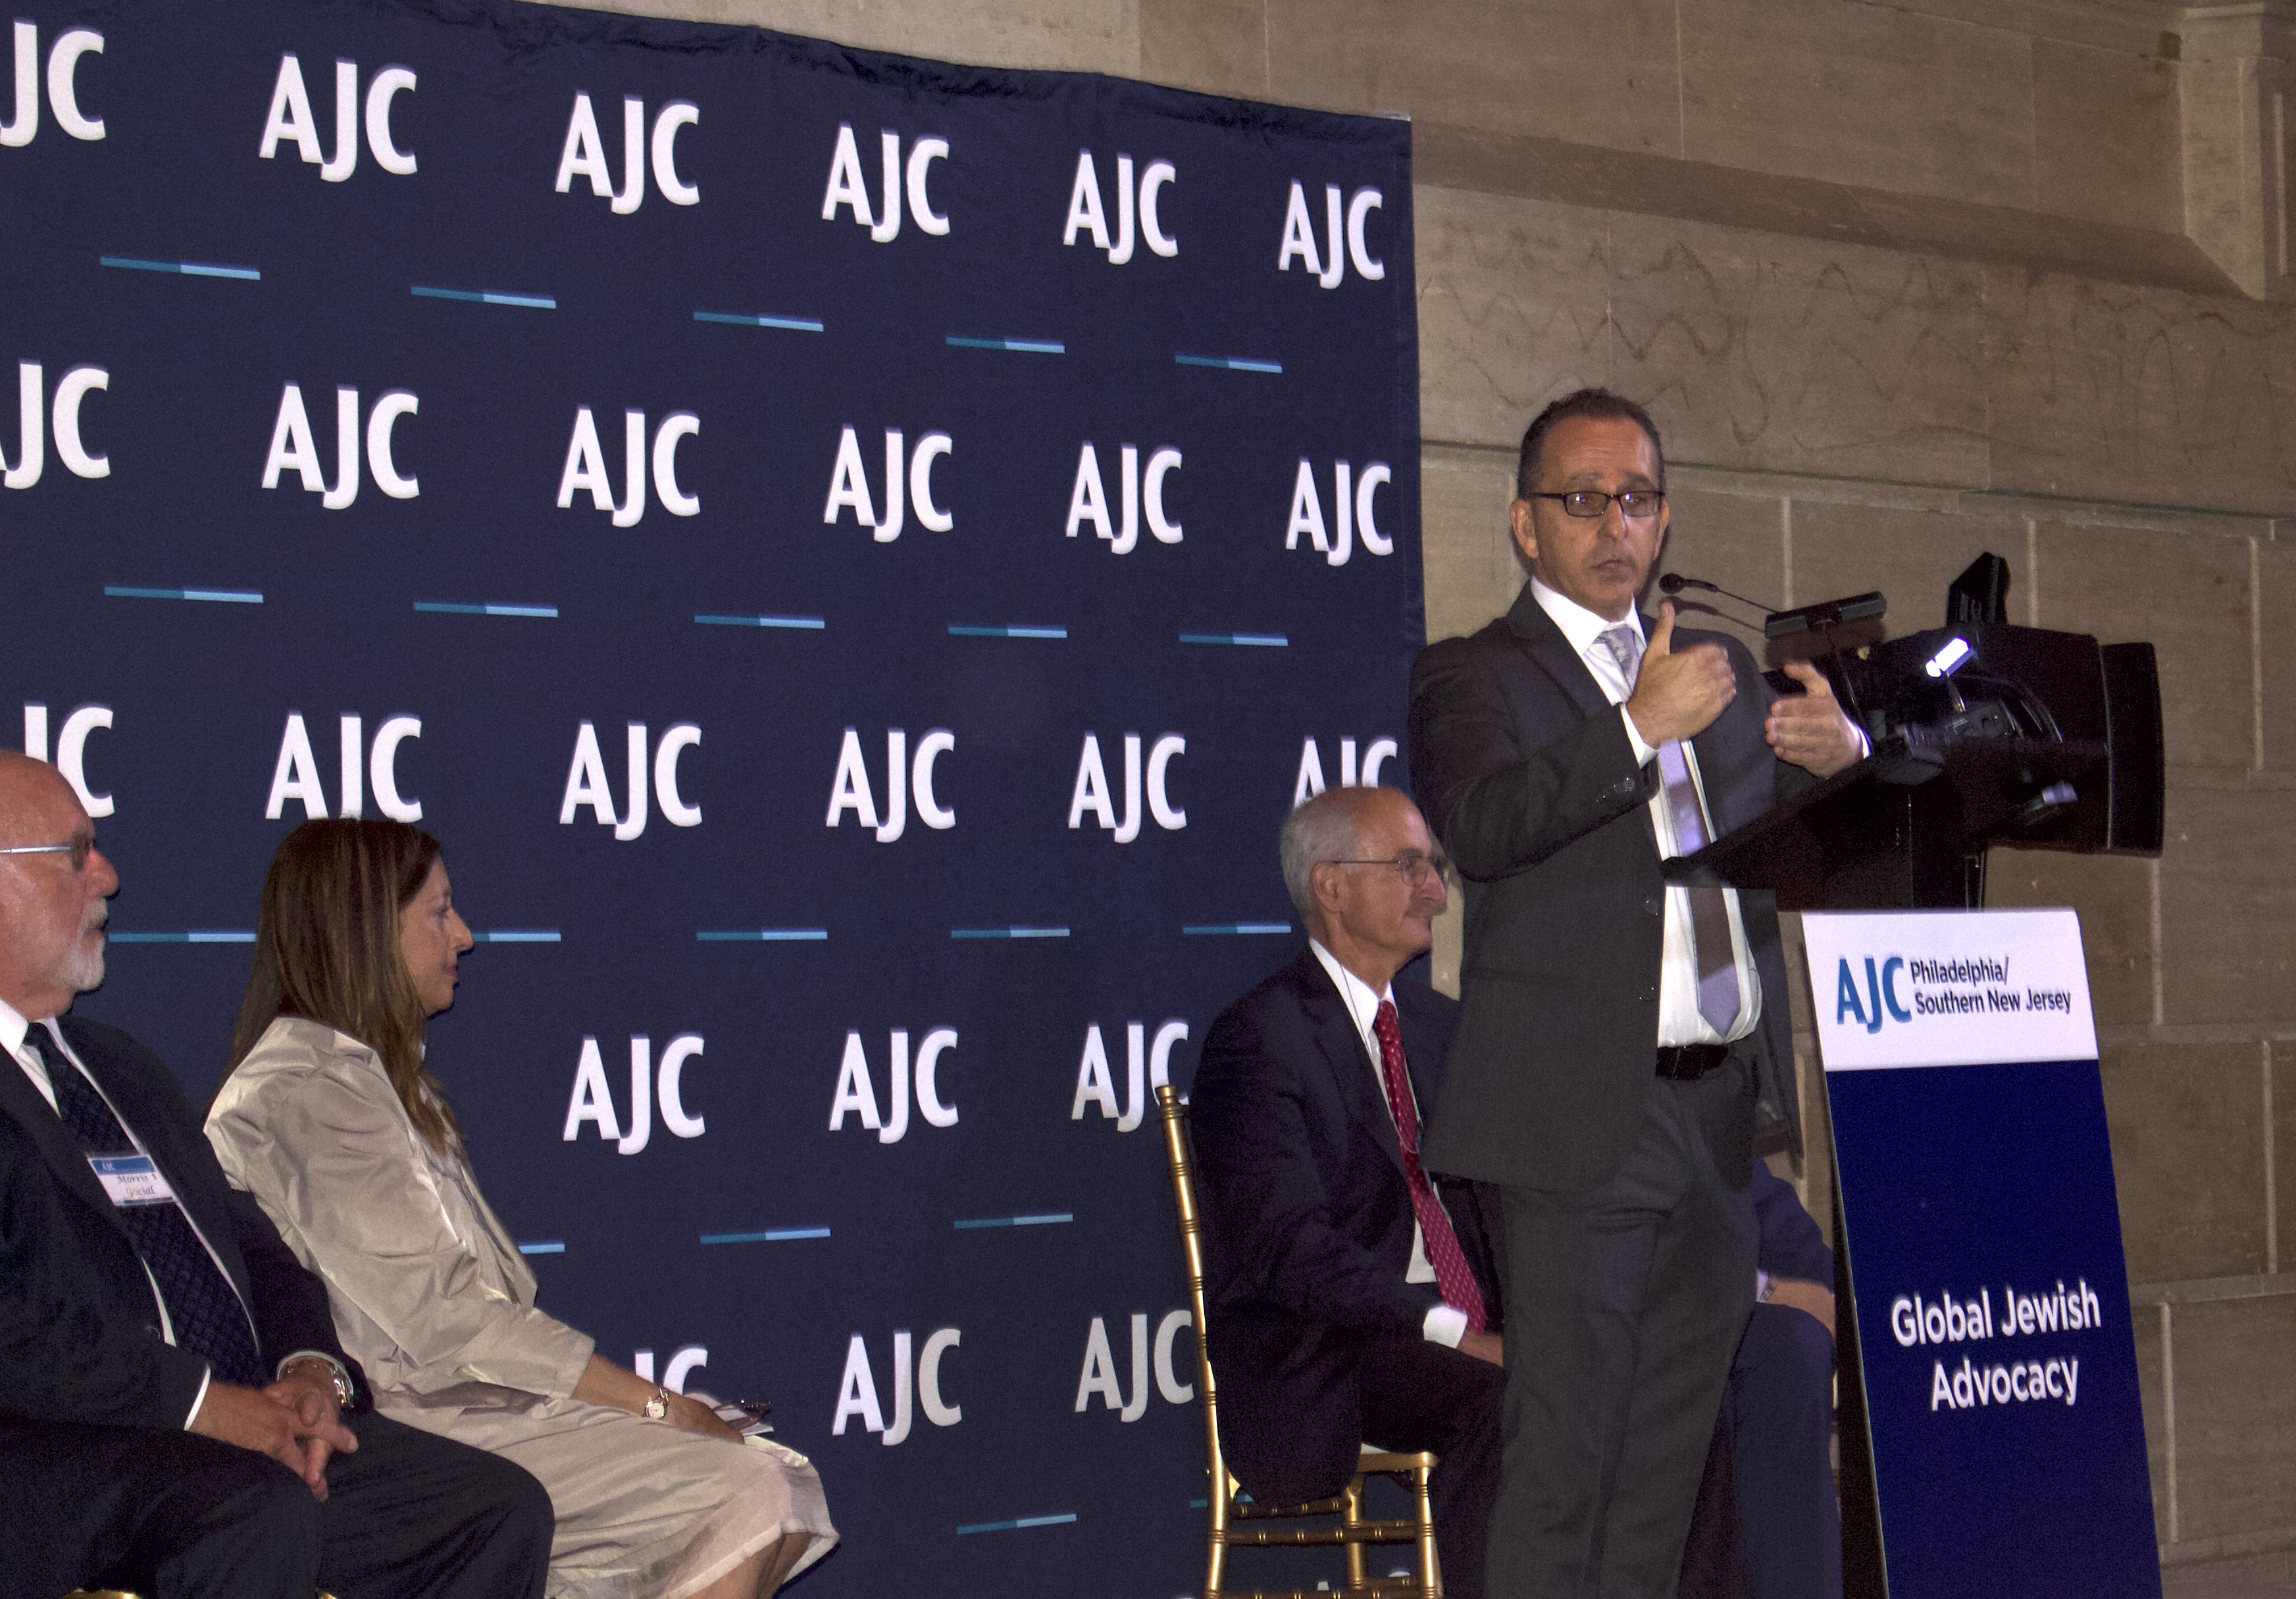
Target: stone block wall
column 1902, row 283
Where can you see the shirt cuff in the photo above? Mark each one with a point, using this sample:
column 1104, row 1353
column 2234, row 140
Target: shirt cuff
column 1445, row 1325
column 200, row 1397
column 343, row 1372
column 1645, row 752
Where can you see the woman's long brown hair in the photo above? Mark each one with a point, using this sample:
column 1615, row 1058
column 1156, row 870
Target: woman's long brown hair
column 327, row 947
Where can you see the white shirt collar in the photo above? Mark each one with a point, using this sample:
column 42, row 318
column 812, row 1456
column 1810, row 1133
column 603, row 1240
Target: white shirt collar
column 1579, row 625
column 12, row 1028
column 1363, row 1005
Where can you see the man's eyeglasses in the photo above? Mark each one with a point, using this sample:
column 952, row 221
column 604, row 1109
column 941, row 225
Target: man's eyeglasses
column 1413, row 867
column 80, row 849
column 1636, row 505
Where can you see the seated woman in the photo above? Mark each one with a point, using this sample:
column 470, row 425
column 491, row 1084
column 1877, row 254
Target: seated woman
column 327, row 1116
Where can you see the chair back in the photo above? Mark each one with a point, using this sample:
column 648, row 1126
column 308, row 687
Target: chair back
column 1180, row 1155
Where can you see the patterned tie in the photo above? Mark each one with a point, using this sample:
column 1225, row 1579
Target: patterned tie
column 1709, row 915
column 1452, row 1276
column 202, row 1305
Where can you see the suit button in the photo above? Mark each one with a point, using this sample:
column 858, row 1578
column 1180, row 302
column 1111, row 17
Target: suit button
column 1652, row 906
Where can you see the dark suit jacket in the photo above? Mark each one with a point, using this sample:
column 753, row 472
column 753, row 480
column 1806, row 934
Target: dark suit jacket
column 79, row 1337
column 1524, row 772
column 1307, row 1219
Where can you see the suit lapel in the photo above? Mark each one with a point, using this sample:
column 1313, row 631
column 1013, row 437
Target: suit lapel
column 22, row 1105
column 1544, row 643
column 1353, row 1073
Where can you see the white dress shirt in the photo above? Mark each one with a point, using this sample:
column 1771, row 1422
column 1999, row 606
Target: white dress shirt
column 1678, row 1018
column 1444, row 1323
column 12, row 1030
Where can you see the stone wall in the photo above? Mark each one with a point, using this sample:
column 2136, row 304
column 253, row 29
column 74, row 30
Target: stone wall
column 1902, row 283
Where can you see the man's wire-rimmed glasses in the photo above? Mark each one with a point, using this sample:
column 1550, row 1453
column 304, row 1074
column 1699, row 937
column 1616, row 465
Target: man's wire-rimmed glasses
column 1635, row 504
column 80, row 849
column 1413, row 865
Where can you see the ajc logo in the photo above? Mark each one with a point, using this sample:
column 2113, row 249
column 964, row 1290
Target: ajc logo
column 858, row 1094
column 1096, row 1084
column 1091, row 795
column 1351, row 512
column 905, row 775
column 592, row 1099
column 71, row 747
column 64, row 84
column 293, row 446
column 1089, row 500
column 848, row 484
column 848, row 188
column 1099, row 1376
column 586, row 466
column 856, row 1393
column 1087, row 215
column 1300, row 236
column 587, row 785
column 296, row 776
column 585, row 154
column 291, row 119
column 1310, row 782
column 34, row 420
column 1880, row 994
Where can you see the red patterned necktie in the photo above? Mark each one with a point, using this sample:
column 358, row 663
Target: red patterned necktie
column 1452, row 1276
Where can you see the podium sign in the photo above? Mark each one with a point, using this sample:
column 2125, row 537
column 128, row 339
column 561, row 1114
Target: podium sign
column 1991, row 1303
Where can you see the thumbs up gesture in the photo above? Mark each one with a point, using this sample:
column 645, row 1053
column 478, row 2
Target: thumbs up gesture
column 1679, row 693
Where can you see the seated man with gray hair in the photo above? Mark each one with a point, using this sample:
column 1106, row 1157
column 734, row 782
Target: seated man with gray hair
column 1350, row 1300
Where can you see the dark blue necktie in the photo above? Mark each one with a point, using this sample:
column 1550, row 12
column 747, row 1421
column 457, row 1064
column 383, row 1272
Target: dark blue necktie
column 202, row 1305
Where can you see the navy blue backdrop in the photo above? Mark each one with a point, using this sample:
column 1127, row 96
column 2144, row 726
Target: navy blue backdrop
column 483, row 412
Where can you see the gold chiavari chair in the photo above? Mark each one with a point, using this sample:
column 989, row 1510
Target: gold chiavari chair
column 1236, row 1522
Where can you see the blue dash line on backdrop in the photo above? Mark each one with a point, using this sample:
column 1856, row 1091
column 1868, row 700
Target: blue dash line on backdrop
column 795, row 324
column 486, row 297
column 230, row 596
column 1008, row 932
column 1013, row 630
column 709, row 620
column 771, row 1236
column 1048, row 1220
column 1231, row 363
column 1015, row 1526
column 1237, row 927
column 197, row 936
column 544, row 1246
column 1027, row 346
column 458, row 607
column 517, row 935
column 761, row 935
column 188, row 268
column 1268, row 641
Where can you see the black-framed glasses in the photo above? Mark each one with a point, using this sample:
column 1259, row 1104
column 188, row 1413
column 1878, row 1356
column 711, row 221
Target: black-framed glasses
column 80, row 849
column 1635, row 504
column 1413, row 865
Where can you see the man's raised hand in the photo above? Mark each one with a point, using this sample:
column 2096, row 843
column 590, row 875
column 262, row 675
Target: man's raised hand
column 1809, row 730
column 1679, row 693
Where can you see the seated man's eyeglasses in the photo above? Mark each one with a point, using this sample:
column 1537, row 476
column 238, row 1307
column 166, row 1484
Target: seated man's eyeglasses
column 80, row 849
column 1635, row 504
column 1410, row 866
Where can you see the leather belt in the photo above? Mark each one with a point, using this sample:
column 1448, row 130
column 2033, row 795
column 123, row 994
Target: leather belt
column 1687, row 1062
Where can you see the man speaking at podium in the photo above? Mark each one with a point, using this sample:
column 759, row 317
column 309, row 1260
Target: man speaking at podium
column 1620, row 1038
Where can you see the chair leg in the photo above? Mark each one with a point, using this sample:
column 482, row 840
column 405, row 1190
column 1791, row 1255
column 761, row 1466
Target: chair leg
column 1350, row 1517
column 1215, row 1546
column 1430, row 1569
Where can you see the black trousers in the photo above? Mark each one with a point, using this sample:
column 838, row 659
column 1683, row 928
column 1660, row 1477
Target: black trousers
column 1624, row 1304
column 174, row 1515
column 1418, row 1395
column 1768, row 1525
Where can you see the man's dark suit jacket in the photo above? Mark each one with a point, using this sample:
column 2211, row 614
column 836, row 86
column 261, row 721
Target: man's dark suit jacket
column 1308, row 1220
column 80, row 1336
column 1524, row 772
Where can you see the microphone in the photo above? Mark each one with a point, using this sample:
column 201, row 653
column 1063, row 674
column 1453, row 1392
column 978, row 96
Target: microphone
column 1674, row 583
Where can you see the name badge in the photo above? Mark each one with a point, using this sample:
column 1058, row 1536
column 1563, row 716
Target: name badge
column 132, row 1179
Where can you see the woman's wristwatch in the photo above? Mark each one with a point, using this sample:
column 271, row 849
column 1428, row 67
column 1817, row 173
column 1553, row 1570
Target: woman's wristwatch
column 658, row 1407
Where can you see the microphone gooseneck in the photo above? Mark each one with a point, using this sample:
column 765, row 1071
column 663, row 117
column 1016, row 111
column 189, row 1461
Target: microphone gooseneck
column 1674, row 583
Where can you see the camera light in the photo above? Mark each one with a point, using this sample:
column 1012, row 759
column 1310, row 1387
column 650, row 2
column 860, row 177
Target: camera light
column 1949, row 659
